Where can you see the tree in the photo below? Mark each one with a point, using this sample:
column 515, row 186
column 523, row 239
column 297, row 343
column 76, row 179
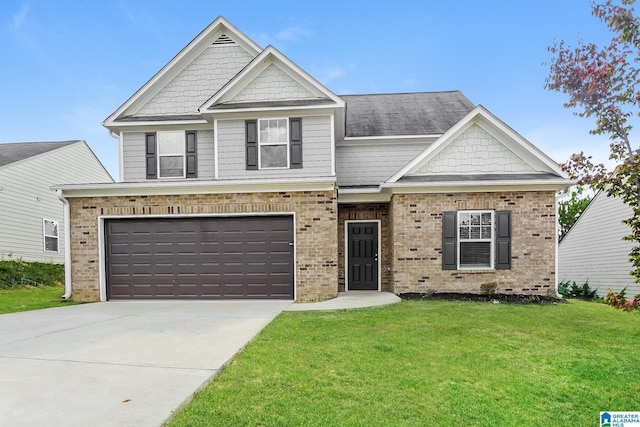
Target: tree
column 569, row 210
column 603, row 84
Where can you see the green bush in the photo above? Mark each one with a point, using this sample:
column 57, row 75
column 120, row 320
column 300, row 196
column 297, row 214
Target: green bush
column 18, row 274
column 573, row 290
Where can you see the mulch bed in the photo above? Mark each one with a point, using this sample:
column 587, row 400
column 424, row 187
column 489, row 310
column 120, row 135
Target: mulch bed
column 494, row 298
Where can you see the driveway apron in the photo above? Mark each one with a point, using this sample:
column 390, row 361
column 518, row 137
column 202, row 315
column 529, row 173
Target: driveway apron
column 118, row 363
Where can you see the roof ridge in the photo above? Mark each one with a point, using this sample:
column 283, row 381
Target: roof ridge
column 403, row 93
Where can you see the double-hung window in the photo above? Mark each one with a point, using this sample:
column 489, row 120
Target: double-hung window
column 476, row 240
column 51, row 236
column 273, row 139
column 171, row 154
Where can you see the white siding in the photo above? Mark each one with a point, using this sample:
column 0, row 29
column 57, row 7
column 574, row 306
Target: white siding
column 593, row 249
column 135, row 158
column 273, row 84
column 373, row 163
column 316, row 151
column 475, row 151
column 26, row 199
column 202, row 78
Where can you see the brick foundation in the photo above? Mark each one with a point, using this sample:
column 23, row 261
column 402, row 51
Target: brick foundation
column 315, row 229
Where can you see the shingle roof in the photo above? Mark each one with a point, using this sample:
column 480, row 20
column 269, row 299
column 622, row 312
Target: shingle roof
column 15, row 151
column 420, row 113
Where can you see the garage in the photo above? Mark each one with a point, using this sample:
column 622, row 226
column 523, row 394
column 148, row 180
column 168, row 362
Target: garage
column 246, row 257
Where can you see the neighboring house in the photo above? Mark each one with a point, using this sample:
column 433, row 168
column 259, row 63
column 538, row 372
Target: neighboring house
column 31, row 214
column 593, row 249
column 244, row 177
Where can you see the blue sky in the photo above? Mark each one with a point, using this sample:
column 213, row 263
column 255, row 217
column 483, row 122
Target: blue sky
column 67, row 65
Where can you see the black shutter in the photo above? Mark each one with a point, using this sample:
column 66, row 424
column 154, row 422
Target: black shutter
column 252, row 144
column 503, row 240
column 191, row 151
column 295, row 143
column 152, row 159
column 449, row 240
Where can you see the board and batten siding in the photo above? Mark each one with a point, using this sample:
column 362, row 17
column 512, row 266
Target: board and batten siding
column 134, row 156
column 593, row 250
column 26, row 199
column 373, row 163
column 316, row 151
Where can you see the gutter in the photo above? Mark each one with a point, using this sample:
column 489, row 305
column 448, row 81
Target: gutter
column 67, row 245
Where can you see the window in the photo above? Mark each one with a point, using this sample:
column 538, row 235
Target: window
column 273, row 143
column 476, row 240
column 50, row 231
column 273, row 139
column 171, row 154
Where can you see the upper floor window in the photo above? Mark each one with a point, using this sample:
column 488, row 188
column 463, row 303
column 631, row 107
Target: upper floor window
column 273, row 140
column 273, row 143
column 171, row 154
column 50, row 232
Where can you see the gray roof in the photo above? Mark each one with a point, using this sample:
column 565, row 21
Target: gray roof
column 15, row 151
column 420, row 113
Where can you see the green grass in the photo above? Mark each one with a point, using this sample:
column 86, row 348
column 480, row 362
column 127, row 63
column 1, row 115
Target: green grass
column 436, row 363
column 27, row 298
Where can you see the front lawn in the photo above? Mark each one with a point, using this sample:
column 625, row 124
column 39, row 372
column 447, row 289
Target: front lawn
column 31, row 298
column 436, row 363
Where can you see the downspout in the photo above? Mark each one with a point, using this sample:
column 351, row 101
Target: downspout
column 67, row 245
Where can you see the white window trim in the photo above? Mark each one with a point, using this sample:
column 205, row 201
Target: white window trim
column 183, row 154
column 260, row 144
column 45, row 235
column 492, row 242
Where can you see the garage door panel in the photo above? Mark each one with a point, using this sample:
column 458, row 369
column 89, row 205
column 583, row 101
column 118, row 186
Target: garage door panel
column 239, row 257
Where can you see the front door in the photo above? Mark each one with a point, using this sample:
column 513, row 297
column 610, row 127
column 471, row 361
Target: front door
column 362, row 256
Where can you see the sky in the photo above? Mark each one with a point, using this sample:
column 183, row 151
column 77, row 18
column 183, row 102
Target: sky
column 67, row 65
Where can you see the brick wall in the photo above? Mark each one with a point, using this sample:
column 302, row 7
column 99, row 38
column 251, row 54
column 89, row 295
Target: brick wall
column 416, row 256
column 366, row 211
column 315, row 228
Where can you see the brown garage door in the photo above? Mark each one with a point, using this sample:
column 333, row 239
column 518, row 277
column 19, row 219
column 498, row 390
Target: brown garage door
column 200, row 258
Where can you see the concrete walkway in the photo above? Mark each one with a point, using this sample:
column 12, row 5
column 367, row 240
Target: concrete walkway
column 349, row 300
column 128, row 363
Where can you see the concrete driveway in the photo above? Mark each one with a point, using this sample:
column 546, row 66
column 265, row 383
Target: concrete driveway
column 118, row 363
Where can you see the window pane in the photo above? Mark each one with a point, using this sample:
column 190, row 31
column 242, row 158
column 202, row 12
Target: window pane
column 50, row 228
column 464, row 233
column 51, row 244
column 486, row 218
column 486, row 232
column 171, row 142
column 475, row 232
column 475, row 254
column 171, row 166
column 475, row 219
column 273, row 156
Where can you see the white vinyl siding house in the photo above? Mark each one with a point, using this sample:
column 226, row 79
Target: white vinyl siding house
column 593, row 249
column 29, row 207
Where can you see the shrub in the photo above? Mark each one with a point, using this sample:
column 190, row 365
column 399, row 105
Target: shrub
column 573, row 290
column 488, row 288
column 619, row 300
column 18, row 273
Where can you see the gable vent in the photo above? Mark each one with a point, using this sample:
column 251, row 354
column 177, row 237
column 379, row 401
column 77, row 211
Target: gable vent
column 223, row 39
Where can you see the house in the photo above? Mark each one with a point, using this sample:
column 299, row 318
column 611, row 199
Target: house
column 242, row 176
column 593, row 249
column 31, row 214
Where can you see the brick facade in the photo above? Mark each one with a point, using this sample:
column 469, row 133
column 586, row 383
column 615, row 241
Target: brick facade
column 315, row 228
column 416, row 253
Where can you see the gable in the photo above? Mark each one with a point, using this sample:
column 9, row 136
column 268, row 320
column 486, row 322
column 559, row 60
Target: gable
column 273, row 84
column 480, row 146
column 474, row 151
column 17, row 151
column 205, row 65
column 203, row 77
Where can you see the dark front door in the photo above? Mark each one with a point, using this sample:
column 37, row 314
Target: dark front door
column 362, row 259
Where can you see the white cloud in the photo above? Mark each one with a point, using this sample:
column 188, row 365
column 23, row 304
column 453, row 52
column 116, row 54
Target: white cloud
column 331, row 72
column 19, row 17
column 293, row 34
